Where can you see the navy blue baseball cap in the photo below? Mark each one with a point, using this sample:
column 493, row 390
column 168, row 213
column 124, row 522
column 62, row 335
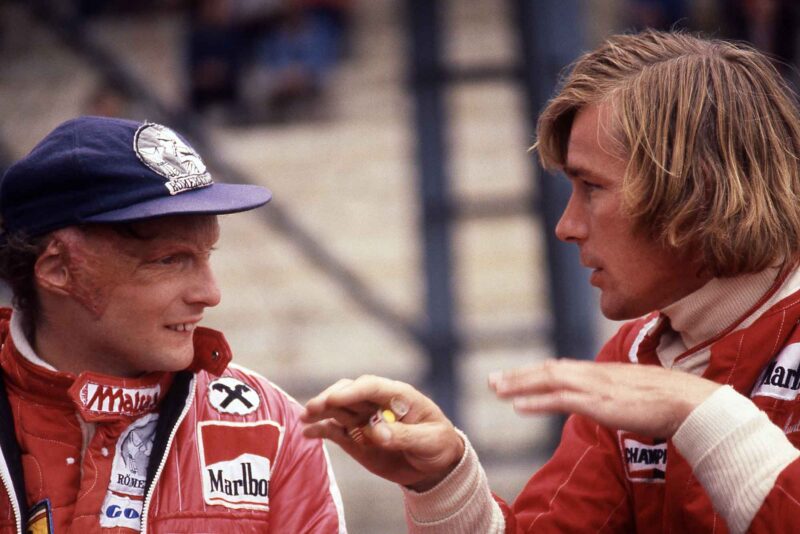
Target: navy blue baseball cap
column 102, row 170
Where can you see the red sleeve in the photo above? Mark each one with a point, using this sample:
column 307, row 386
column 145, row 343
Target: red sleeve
column 782, row 505
column 582, row 488
column 304, row 496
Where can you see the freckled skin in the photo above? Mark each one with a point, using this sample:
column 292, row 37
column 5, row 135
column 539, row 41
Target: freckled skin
column 125, row 292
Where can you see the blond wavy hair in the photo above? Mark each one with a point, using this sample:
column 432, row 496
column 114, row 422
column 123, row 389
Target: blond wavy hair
column 713, row 136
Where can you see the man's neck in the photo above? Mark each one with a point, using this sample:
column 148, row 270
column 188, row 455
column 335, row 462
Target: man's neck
column 711, row 309
column 59, row 343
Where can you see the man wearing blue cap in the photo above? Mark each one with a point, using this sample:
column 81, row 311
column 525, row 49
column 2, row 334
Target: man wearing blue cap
column 118, row 412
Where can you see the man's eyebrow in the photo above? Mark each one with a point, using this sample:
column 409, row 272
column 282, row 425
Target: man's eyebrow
column 572, row 170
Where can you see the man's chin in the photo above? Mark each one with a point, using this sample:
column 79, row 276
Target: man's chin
column 619, row 311
column 178, row 360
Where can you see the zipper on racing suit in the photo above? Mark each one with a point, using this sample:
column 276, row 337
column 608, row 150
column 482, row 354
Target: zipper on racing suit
column 5, row 476
column 189, row 400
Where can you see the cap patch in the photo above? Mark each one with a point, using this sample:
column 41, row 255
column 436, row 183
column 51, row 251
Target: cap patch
column 165, row 153
column 230, row 395
column 237, row 461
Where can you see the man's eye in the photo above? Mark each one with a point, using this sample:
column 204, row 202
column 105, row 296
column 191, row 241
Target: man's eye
column 168, row 260
column 590, row 186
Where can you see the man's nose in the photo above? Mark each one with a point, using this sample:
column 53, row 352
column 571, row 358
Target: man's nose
column 204, row 288
column 572, row 226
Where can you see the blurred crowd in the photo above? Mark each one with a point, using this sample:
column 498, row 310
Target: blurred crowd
column 770, row 25
column 263, row 59
column 250, row 61
column 245, row 60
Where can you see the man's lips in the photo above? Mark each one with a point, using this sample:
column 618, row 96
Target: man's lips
column 184, row 326
column 594, row 279
column 590, row 263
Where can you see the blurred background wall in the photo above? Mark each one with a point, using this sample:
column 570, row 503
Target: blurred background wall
column 410, row 233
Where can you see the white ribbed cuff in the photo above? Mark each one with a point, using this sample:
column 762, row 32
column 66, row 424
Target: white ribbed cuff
column 460, row 504
column 735, row 452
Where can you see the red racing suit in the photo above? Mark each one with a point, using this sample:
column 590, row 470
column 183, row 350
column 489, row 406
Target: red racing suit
column 604, row 481
column 215, row 448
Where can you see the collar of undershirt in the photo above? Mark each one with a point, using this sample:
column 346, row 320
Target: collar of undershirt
column 720, row 306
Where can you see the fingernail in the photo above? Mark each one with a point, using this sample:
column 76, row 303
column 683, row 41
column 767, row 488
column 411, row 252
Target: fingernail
column 375, row 419
column 382, row 433
column 399, row 407
column 495, row 377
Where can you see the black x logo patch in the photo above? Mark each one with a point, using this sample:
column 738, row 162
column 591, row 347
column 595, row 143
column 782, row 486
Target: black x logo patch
column 235, row 393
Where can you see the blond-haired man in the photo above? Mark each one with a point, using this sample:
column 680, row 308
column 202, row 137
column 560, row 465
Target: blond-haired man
column 684, row 159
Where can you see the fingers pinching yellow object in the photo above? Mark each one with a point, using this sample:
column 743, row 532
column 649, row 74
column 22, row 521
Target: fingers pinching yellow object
column 398, row 409
column 388, row 416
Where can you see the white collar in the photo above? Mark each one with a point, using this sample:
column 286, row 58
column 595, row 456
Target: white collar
column 711, row 309
column 22, row 343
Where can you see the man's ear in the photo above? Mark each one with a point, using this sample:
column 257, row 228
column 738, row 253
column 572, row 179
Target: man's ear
column 50, row 270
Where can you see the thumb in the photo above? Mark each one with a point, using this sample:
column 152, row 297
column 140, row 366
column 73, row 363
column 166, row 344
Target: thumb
column 428, row 442
column 397, row 436
column 432, row 449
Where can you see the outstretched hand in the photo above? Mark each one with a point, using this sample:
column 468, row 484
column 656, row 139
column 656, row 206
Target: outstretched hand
column 644, row 399
column 421, row 447
column 417, row 450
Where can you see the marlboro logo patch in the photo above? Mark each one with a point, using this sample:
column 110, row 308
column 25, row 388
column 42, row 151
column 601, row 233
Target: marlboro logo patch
column 237, row 460
column 781, row 378
column 644, row 462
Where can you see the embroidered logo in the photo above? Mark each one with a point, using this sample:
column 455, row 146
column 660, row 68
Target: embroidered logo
column 119, row 511
column 229, row 395
column 104, row 399
column 781, row 378
column 644, row 462
column 132, row 456
column 237, row 460
column 165, row 153
column 40, row 518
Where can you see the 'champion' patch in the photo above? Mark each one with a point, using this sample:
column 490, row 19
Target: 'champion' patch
column 165, row 153
column 231, row 395
column 237, row 460
column 644, row 462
